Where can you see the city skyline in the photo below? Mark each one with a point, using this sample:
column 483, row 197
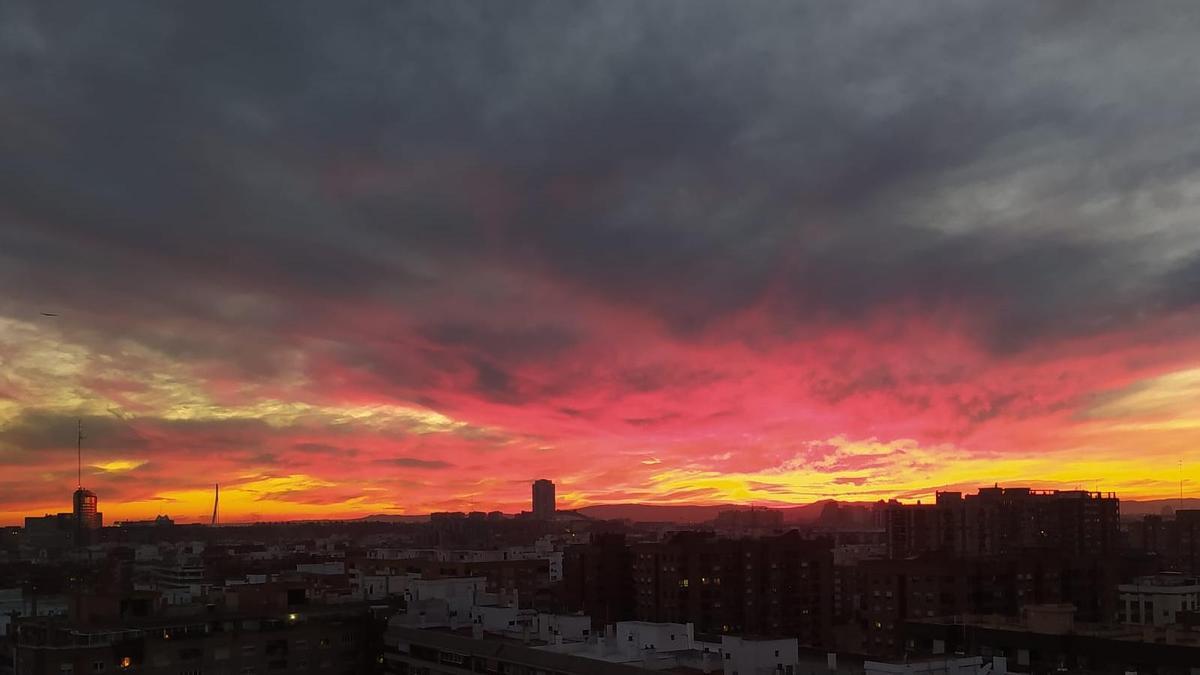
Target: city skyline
column 413, row 259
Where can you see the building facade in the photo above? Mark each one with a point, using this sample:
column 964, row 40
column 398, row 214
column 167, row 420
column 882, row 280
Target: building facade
column 1157, row 600
column 769, row 586
column 598, row 579
column 304, row 640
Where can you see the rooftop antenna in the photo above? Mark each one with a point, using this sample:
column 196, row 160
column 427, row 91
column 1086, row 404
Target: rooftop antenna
column 79, row 453
column 216, row 500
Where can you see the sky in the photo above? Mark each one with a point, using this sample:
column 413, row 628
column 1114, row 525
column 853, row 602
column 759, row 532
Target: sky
column 384, row 257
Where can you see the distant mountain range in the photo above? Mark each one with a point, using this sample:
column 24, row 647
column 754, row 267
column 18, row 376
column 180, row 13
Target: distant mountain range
column 827, row 510
column 824, row 512
column 388, row 518
column 1157, row 506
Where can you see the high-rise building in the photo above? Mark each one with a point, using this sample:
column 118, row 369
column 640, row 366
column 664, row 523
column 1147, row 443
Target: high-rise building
column 87, row 517
column 543, row 498
column 999, row 521
column 84, row 503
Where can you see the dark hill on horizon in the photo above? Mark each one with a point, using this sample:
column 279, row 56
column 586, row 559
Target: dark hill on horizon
column 804, row 514
column 823, row 512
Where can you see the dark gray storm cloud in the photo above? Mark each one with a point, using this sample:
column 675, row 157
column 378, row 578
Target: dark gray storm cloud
column 414, row 463
column 1030, row 165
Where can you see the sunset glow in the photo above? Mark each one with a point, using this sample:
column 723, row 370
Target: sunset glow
column 703, row 259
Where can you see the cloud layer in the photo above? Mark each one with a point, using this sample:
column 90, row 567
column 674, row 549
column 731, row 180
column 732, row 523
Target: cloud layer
column 402, row 257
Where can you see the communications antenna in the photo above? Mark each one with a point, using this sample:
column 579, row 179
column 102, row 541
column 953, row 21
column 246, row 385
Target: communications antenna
column 216, row 501
column 79, row 453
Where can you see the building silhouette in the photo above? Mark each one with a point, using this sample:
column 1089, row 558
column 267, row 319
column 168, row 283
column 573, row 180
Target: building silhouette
column 1000, row 520
column 753, row 518
column 543, row 499
column 53, row 534
column 1187, row 524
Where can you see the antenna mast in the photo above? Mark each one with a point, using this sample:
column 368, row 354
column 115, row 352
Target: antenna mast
column 216, row 500
column 79, row 452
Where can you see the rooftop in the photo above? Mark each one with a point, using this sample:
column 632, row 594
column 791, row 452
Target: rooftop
column 1174, row 634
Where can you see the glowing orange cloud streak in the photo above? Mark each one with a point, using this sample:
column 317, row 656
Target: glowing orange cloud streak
column 830, row 416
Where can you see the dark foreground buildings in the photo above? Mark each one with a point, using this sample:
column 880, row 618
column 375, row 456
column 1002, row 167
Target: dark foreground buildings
column 1173, row 540
column 51, row 535
column 1046, row 581
column 277, row 636
column 776, row 585
column 1047, row 639
column 1000, row 521
column 598, row 579
column 1004, row 553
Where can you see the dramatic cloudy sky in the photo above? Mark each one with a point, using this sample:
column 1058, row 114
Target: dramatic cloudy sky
column 350, row 258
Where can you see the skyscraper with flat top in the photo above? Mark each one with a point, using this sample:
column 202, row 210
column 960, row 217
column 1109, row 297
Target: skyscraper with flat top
column 543, row 498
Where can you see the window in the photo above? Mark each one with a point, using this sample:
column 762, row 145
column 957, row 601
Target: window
column 97, row 666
